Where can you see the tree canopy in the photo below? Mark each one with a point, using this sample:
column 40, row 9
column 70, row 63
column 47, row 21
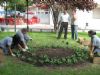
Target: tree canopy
column 20, row 4
column 80, row 4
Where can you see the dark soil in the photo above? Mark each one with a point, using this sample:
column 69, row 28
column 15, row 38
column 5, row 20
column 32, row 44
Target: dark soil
column 57, row 52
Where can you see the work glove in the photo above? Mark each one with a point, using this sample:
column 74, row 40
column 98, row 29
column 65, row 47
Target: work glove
column 31, row 39
column 24, row 50
column 13, row 55
column 26, row 47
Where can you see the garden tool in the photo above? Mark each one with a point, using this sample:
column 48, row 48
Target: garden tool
column 13, row 55
column 24, row 50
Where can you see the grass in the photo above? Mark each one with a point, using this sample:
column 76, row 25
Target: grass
column 13, row 66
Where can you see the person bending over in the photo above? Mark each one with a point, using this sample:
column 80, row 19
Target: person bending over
column 5, row 45
column 24, row 37
column 95, row 41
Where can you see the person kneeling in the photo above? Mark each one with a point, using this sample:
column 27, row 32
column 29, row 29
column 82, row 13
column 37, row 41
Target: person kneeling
column 95, row 42
column 5, row 46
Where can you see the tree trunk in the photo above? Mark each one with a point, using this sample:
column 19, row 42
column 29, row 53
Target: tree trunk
column 55, row 19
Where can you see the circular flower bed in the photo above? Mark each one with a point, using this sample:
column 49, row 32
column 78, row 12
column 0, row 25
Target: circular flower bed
column 54, row 56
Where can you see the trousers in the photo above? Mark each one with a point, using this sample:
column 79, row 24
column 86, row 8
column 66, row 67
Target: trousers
column 74, row 32
column 64, row 25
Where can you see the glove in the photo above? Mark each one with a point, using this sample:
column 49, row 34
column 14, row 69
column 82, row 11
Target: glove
column 31, row 39
column 26, row 47
column 24, row 50
column 13, row 55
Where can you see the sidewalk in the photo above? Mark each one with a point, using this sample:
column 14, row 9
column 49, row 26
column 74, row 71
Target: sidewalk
column 34, row 27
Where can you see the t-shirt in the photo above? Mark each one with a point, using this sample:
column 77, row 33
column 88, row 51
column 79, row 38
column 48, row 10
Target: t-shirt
column 20, row 34
column 96, row 41
column 23, row 37
column 64, row 17
column 6, row 42
column 74, row 18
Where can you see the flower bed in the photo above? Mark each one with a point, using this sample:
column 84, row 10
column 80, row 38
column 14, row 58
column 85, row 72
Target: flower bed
column 54, row 56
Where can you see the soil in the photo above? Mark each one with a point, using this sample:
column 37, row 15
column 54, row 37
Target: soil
column 57, row 52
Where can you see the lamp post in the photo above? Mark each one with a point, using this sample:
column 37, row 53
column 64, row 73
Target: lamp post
column 15, row 16
column 5, row 7
column 27, row 14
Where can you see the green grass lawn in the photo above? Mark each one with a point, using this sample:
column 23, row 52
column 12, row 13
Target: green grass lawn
column 13, row 66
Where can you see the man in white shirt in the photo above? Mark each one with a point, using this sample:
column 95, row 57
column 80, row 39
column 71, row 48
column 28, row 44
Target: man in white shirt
column 95, row 40
column 63, row 19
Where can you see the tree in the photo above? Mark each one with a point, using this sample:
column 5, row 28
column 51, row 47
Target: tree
column 80, row 4
column 20, row 4
column 58, row 5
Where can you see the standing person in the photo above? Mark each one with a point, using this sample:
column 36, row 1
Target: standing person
column 24, row 37
column 74, row 25
column 95, row 42
column 63, row 20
